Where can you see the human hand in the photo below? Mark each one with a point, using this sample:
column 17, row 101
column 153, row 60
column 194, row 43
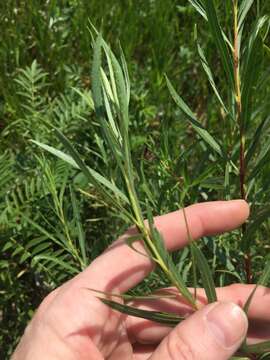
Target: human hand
column 72, row 324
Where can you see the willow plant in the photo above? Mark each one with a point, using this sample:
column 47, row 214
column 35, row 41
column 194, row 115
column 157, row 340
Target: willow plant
column 111, row 97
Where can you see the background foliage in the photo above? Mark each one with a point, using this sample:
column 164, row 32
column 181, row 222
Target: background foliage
column 49, row 230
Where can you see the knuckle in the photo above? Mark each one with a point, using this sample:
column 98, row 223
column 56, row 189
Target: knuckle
column 178, row 347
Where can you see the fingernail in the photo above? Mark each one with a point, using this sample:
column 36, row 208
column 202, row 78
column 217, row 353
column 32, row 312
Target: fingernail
column 227, row 323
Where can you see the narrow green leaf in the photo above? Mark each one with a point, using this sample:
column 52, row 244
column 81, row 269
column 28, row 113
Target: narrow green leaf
column 122, row 95
column 232, row 273
column 262, row 160
column 170, row 268
column 250, row 66
column 113, row 137
column 96, row 77
column 126, row 75
column 201, row 10
column 256, row 139
column 204, row 134
column 131, row 239
column 210, row 76
column 227, row 181
column 243, row 11
column 264, row 278
column 93, row 176
column 199, row 7
column 216, row 32
column 258, row 217
column 60, row 154
column 128, row 297
column 206, row 275
column 43, row 231
column 259, row 348
column 81, row 234
column 159, row 317
column 56, row 260
column 86, row 96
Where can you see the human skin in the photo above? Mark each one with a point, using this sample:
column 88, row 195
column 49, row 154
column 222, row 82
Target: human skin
column 73, row 324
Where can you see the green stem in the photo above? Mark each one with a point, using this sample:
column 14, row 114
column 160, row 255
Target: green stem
column 238, row 100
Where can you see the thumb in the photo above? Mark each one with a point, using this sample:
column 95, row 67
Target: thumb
column 215, row 332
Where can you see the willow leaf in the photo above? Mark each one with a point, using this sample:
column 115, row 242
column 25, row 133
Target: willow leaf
column 60, row 154
column 203, row 133
column 216, row 32
column 43, row 231
column 199, row 7
column 256, row 140
column 129, row 297
column 227, row 181
column 170, row 268
column 258, row 218
column 210, row 77
column 206, row 275
column 262, row 160
column 263, row 280
column 250, row 65
column 122, row 94
column 81, row 234
column 93, row 176
column 259, row 348
column 96, row 77
column 56, row 260
column 131, row 239
column 243, row 11
column 156, row 316
column 125, row 70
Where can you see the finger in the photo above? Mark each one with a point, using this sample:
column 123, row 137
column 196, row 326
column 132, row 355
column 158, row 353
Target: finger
column 149, row 332
column 215, row 332
column 258, row 313
column 121, row 268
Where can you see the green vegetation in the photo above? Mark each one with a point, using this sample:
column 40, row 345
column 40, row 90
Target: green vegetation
column 140, row 144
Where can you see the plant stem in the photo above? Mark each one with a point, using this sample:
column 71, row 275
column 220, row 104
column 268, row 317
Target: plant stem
column 239, row 119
